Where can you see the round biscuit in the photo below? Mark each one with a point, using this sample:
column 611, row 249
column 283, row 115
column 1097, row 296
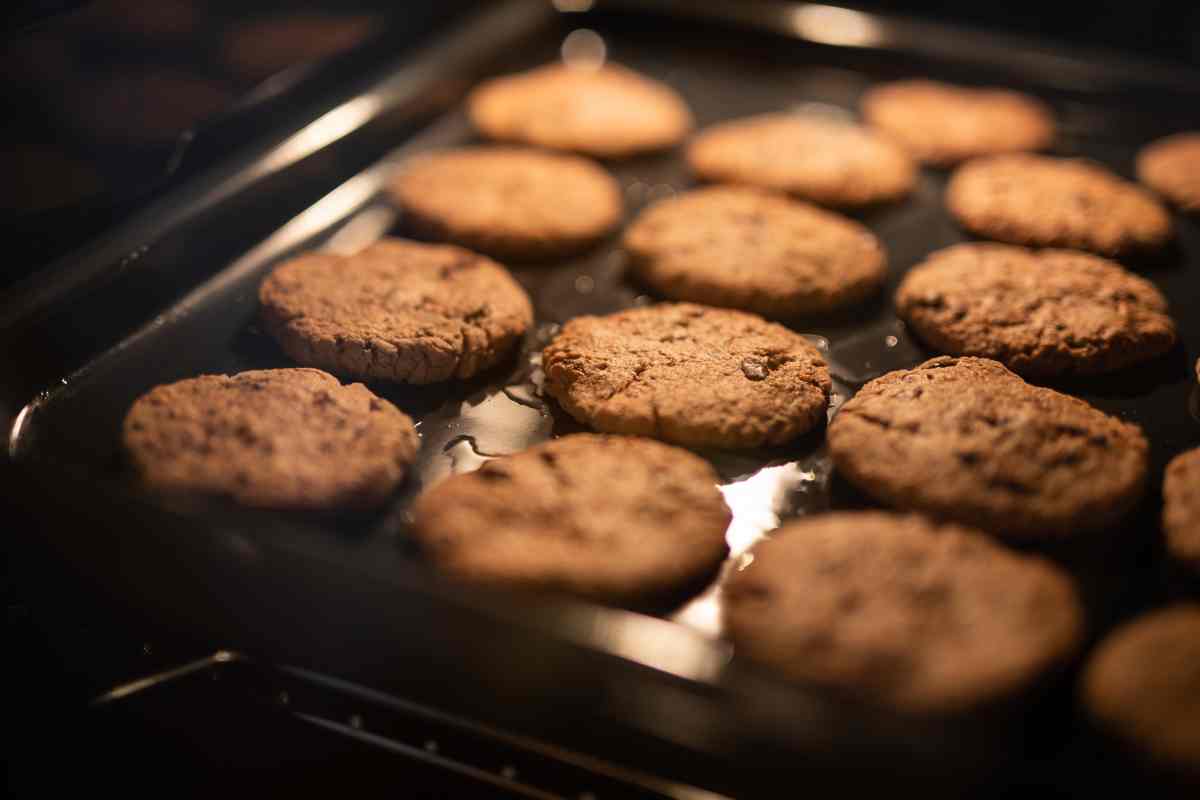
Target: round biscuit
column 279, row 438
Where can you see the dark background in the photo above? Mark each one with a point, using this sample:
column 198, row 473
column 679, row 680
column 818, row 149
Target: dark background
column 108, row 105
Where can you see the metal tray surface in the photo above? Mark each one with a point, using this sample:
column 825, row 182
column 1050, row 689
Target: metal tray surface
column 697, row 698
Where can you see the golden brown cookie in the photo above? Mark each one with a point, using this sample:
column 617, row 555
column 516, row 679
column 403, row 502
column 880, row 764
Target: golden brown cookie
column 943, row 124
column 1171, row 167
column 1181, row 508
column 509, row 202
column 901, row 612
column 689, row 374
column 619, row 520
column 398, row 310
column 1142, row 684
column 967, row 440
column 279, row 438
column 827, row 161
column 1056, row 202
column 1048, row 312
column 758, row 251
column 610, row 112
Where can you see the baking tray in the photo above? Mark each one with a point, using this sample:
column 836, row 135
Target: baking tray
column 318, row 729
column 173, row 295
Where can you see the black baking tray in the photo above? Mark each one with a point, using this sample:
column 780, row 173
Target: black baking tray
column 173, row 294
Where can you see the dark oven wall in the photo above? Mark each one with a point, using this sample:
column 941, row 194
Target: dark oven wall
column 1166, row 30
column 109, row 103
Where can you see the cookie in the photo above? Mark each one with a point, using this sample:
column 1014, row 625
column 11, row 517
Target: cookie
column 901, row 612
column 397, row 310
column 1171, row 167
column 942, row 124
column 827, row 161
column 619, row 520
column 1056, row 202
column 689, row 374
column 610, row 112
column 967, row 440
column 276, row 438
column 508, row 202
column 1041, row 313
column 1142, row 685
column 754, row 250
column 1181, row 508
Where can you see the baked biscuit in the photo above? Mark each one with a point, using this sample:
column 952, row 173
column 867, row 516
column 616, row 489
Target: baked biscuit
column 689, row 374
column 1041, row 313
column 1056, row 202
column 398, row 310
column 749, row 249
column 508, row 202
column 967, row 440
column 1171, row 167
column 826, row 161
column 1181, row 508
column 278, row 438
column 943, row 124
column 619, row 520
column 609, row 112
column 901, row 612
column 1141, row 686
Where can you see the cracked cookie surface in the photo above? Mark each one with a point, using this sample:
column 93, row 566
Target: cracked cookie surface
column 943, row 124
column 620, row 520
column 397, row 310
column 278, row 438
column 901, row 611
column 1171, row 167
column 965, row 439
column 690, row 374
column 610, row 112
column 1181, row 508
column 830, row 162
column 754, row 250
column 1056, row 202
column 509, row 202
column 1041, row 313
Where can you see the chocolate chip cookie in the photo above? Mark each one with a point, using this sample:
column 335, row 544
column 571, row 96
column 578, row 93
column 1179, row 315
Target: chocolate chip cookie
column 755, row 250
column 1056, row 202
column 827, row 161
column 511, row 203
column 967, row 440
column 619, row 520
column 1181, row 508
column 943, row 124
column 1142, row 684
column 609, row 112
column 689, row 374
column 398, row 310
column 901, row 612
column 279, row 438
column 1171, row 167
column 1041, row 313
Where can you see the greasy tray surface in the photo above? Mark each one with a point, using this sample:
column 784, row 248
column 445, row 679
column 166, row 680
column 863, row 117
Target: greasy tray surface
column 213, row 330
